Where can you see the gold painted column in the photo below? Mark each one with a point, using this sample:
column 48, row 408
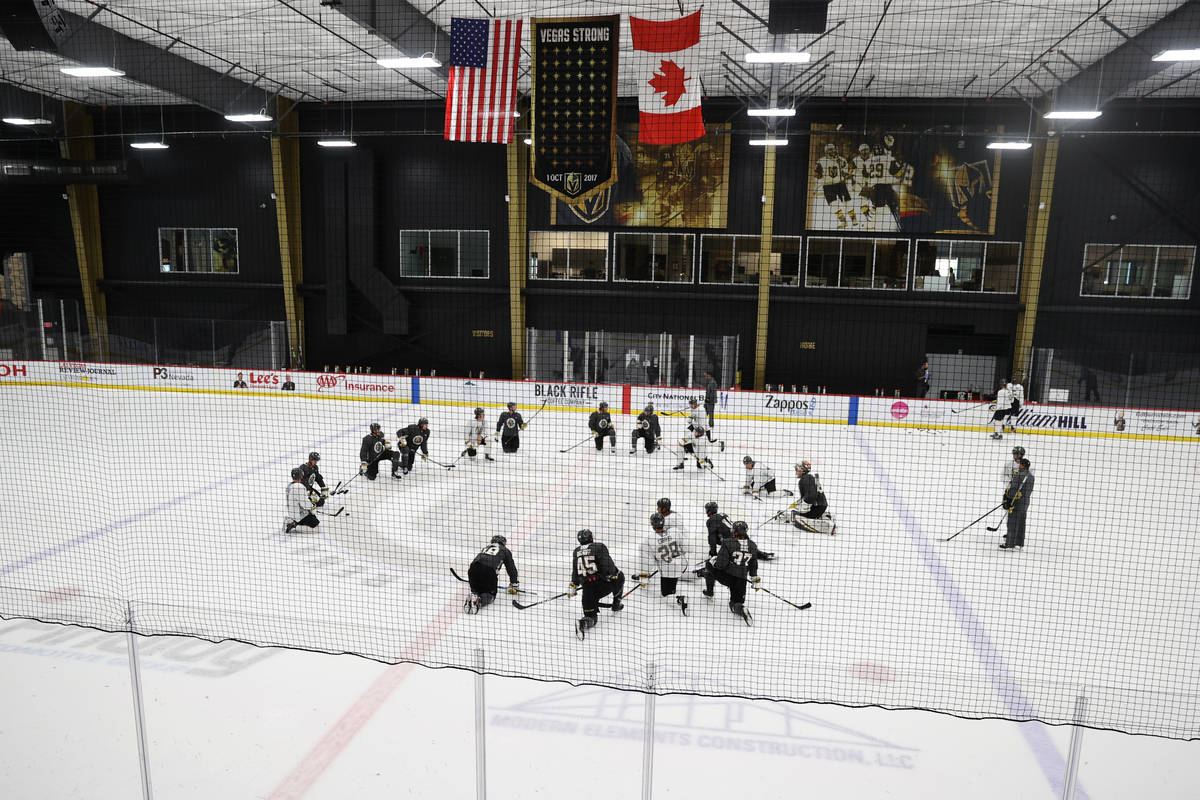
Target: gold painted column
column 518, row 187
column 285, row 169
column 84, row 204
column 1037, row 224
column 764, row 267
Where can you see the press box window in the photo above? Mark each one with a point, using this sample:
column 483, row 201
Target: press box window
column 847, row 263
column 444, row 254
column 212, row 250
column 1148, row 271
column 660, row 257
column 568, row 255
column 943, row 265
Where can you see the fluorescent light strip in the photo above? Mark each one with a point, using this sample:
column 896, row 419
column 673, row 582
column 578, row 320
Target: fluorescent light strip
column 27, row 121
column 778, row 58
column 771, row 112
column 337, row 143
column 405, row 62
column 1009, row 145
column 768, row 142
column 1071, row 115
column 258, row 116
column 1179, row 55
column 91, row 72
column 149, row 145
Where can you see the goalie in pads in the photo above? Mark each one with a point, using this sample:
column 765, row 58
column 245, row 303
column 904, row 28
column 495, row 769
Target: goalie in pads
column 811, row 511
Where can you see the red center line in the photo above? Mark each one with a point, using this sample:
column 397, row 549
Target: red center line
column 318, row 759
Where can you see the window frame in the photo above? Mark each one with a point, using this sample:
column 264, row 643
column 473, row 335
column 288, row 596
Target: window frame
column 1153, row 278
column 608, row 255
column 908, row 262
column 187, row 233
column 733, row 258
column 987, row 245
column 458, row 248
column 614, row 250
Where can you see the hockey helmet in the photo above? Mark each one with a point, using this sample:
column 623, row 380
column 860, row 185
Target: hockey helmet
column 511, row 405
column 603, row 405
column 748, row 461
column 584, row 536
column 649, row 408
column 864, row 149
column 658, row 521
column 740, row 529
column 314, row 456
column 376, row 427
column 423, row 422
column 804, row 467
column 693, row 401
column 1018, row 452
column 710, row 507
column 478, row 412
column 831, row 149
column 664, row 504
column 297, row 474
column 498, row 539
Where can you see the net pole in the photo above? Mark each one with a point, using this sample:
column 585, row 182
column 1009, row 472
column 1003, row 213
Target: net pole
column 1071, row 775
column 480, row 735
column 648, row 737
column 139, row 717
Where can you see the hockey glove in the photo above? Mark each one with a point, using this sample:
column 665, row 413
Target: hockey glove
column 614, row 578
column 746, row 489
column 524, row 425
column 325, row 491
column 643, row 579
column 571, row 590
column 402, row 441
column 512, row 588
column 755, row 581
column 424, row 457
column 362, row 468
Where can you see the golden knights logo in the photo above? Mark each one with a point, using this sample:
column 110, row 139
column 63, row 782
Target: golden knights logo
column 593, row 208
column 573, row 183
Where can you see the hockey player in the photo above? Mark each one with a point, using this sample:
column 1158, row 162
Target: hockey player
column 665, row 551
column 413, row 438
column 759, row 478
column 1016, row 503
column 1014, row 410
column 696, row 420
column 647, row 428
column 1000, row 410
column 298, row 509
column 509, row 425
column 375, row 449
column 601, row 425
column 862, row 183
column 1011, row 468
column 663, row 507
column 710, row 401
column 811, row 511
column 719, row 529
column 477, row 437
column 313, row 481
column 832, row 171
column 735, row 562
column 482, row 574
column 697, row 446
column 592, row 568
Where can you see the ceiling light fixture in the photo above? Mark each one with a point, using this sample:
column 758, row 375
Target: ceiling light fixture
column 1071, row 114
column 426, row 61
column 778, row 58
column 91, row 72
column 152, row 145
column 27, row 121
column 259, row 116
column 768, row 142
column 1009, row 145
column 529, row 141
column 771, row 112
column 1178, row 55
column 337, row 142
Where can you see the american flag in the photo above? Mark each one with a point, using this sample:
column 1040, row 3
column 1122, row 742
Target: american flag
column 482, row 97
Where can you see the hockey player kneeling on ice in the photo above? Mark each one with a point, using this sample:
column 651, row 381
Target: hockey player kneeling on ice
column 375, row 449
column 1000, row 410
column 313, row 481
column 736, row 562
column 718, row 526
column 760, row 479
column 696, row 420
column 600, row 423
column 413, row 438
column 647, row 428
column 482, row 574
column 593, row 570
column 298, row 509
column 697, row 446
column 477, row 437
column 811, row 511
column 509, row 425
column 665, row 551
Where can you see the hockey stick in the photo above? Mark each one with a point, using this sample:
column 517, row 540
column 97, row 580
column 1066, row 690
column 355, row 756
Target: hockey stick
column 464, row 580
column 1018, row 494
column 337, row 513
column 778, row 514
column 631, row 591
column 981, row 516
column 531, row 419
column 804, row 607
column 344, row 490
column 990, row 528
column 425, row 457
column 572, row 447
column 539, row 602
column 968, row 408
column 713, row 470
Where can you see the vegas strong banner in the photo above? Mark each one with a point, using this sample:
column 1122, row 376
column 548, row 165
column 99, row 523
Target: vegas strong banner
column 574, row 105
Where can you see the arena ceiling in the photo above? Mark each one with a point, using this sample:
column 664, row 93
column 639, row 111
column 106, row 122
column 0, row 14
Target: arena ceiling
column 223, row 53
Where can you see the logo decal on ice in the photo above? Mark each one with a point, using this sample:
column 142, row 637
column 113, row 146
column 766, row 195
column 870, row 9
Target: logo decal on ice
column 899, row 409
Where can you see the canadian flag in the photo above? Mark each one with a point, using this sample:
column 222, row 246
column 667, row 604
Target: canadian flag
column 666, row 59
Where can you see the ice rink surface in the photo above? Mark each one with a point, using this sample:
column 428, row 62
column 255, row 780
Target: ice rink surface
column 162, row 510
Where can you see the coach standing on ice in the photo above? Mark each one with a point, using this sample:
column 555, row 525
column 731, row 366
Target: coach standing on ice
column 1016, row 503
column 710, row 399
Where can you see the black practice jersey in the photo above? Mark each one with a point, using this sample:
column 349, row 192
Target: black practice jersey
column 710, row 391
column 509, row 424
column 649, row 423
column 591, row 562
column 600, row 421
column 738, row 557
column 416, row 438
column 495, row 555
column 719, row 529
column 313, row 475
column 372, row 446
column 810, row 490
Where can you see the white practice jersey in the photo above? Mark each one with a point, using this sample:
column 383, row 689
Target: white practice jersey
column 476, row 430
column 1018, row 392
column 1010, row 469
column 1004, row 399
column 696, row 418
column 296, row 503
column 666, row 552
column 831, row 171
column 760, row 476
column 699, row 444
